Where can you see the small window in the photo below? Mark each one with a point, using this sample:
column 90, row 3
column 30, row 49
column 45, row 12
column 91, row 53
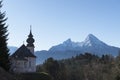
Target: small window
column 29, row 63
column 25, row 64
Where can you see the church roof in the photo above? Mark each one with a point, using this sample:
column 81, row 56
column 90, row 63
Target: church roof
column 22, row 53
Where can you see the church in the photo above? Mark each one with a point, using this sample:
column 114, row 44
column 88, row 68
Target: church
column 24, row 59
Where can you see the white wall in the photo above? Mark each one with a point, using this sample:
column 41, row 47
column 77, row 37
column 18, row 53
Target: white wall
column 31, row 49
column 28, row 65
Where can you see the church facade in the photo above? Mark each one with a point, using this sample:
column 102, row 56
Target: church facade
column 24, row 60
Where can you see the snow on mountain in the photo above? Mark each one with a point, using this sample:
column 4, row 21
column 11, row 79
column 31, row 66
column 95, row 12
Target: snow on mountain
column 91, row 44
column 91, row 40
column 66, row 45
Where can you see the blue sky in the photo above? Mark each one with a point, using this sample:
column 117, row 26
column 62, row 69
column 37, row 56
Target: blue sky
column 54, row 21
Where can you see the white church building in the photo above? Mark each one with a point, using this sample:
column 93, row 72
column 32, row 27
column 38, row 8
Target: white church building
column 24, row 60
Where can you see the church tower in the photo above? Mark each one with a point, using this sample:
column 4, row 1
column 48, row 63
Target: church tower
column 30, row 42
column 24, row 60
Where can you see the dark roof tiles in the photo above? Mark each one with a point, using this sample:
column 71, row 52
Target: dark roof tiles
column 22, row 53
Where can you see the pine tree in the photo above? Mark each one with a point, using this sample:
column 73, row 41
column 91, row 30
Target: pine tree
column 4, row 51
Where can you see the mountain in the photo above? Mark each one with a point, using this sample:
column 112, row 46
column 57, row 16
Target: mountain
column 66, row 45
column 12, row 49
column 91, row 44
column 69, row 48
column 94, row 45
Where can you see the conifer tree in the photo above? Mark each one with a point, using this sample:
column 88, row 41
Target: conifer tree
column 4, row 51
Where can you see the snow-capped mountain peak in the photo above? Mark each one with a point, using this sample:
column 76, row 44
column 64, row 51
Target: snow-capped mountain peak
column 91, row 40
column 91, row 44
column 92, row 37
column 67, row 42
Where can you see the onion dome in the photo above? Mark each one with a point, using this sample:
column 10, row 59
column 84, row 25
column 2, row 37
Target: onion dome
column 30, row 39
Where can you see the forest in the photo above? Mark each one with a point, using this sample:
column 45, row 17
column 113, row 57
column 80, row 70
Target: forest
column 83, row 67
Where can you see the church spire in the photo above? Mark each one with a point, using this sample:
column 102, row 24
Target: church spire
column 30, row 39
column 30, row 35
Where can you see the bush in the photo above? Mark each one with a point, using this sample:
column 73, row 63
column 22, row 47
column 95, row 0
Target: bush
column 36, row 76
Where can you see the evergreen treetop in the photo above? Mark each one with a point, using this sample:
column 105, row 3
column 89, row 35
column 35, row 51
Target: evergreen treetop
column 4, row 51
